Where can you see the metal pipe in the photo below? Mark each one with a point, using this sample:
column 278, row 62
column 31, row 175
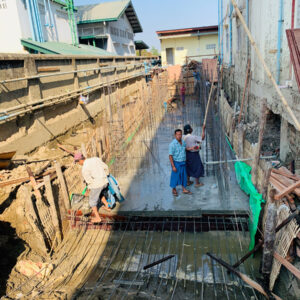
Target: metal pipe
column 37, row 21
column 221, row 32
column 235, row 160
column 292, row 27
column 247, row 21
column 230, row 32
column 51, row 19
column 279, row 41
column 30, row 17
column 47, row 19
column 68, row 72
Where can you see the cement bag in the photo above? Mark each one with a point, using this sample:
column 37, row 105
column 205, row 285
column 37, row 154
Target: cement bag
column 30, row 268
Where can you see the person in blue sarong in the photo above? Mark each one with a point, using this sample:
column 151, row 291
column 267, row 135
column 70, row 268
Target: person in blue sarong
column 177, row 156
column 194, row 166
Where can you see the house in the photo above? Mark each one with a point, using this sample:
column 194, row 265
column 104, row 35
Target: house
column 35, row 20
column 196, row 42
column 109, row 25
column 236, row 53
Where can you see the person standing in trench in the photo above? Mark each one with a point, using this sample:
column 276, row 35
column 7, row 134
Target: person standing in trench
column 194, row 166
column 177, row 156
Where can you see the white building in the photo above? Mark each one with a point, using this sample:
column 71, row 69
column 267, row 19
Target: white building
column 38, row 20
column 267, row 21
column 109, row 25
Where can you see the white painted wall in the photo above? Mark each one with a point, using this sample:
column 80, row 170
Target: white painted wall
column 60, row 30
column 15, row 24
column 121, row 44
column 10, row 27
column 120, row 36
column 263, row 24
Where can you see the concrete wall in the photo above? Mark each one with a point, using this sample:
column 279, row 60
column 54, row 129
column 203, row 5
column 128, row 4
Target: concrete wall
column 263, row 24
column 188, row 45
column 53, row 101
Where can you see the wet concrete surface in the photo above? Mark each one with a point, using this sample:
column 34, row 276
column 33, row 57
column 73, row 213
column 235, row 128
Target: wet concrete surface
column 150, row 190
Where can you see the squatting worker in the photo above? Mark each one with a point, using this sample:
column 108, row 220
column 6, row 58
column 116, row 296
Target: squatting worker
column 94, row 172
column 194, row 166
column 177, row 158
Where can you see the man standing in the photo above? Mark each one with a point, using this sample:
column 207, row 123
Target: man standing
column 94, row 172
column 182, row 92
column 177, row 158
column 197, row 78
column 194, row 166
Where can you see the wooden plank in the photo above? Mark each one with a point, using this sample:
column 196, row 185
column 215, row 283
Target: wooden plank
column 262, row 124
column 63, row 185
column 54, row 214
column 34, row 184
column 287, row 190
column 285, row 181
column 14, row 181
column 48, row 69
column 52, row 176
column 244, row 91
column 7, row 155
column 287, row 173
column 287, row 264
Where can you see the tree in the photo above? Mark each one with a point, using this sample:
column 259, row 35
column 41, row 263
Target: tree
column 154, row 51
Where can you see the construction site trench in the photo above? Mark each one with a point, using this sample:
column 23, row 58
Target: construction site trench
column 107, row 261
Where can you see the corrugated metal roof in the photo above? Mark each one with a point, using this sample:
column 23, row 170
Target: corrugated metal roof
column 187, row 30
column 63, row 48
column 293, row 37
column 109, row 11
column 139, row 45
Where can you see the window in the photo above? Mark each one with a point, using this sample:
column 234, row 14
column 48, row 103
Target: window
column 179, row 48
column 130, row 35
column 227, row 40
column 87, row 31
column 98, row 30
column 114, row 31
column 132, row 49
column 210, row 46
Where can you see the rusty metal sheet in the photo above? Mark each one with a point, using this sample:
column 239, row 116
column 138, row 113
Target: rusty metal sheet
column 209, row 65
column 293, row 37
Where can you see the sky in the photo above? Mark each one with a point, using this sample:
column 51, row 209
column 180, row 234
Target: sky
column 168, row 14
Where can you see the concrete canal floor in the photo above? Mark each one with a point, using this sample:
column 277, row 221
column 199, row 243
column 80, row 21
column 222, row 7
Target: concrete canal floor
column 150, row 188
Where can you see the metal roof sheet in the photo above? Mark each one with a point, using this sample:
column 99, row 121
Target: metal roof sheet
column 293, row 37
column 63, row 48
column 139, row 45
column 109, row 11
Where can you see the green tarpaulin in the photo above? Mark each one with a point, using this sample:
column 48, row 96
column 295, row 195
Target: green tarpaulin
column 243, row 176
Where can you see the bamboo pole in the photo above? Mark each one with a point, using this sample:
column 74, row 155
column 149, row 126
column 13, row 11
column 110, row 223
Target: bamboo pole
column 244, row 277
column 262, row 125
column 50, row 198
column 282, row 98
column 244, row 92
column 287, row 264
column 63, row 185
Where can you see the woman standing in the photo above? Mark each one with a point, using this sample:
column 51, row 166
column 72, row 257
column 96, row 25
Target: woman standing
column 194, row 166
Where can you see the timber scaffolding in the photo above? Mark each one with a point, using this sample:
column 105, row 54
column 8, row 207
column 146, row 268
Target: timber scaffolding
column 109, row 259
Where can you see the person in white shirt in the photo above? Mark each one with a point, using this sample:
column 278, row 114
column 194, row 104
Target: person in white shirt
column 94, row 172
column 194, row 166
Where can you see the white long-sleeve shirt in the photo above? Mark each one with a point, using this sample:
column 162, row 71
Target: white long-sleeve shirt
column 95, row 172
column 192, row 141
